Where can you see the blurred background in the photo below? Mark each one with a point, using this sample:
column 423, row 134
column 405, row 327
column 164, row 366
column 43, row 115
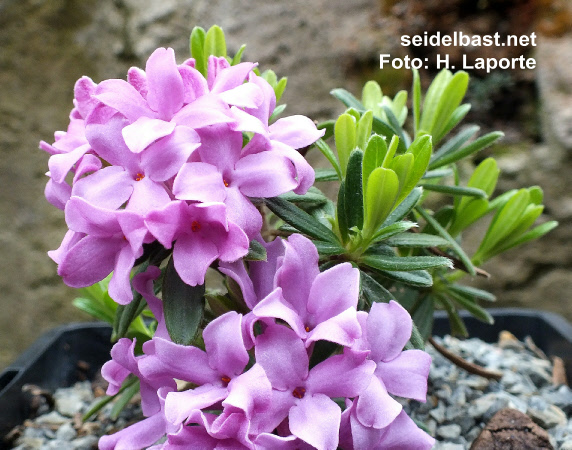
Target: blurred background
column 45, row 45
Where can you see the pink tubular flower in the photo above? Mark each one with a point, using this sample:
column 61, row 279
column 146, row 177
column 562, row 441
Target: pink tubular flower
column 303, row 395
column 317, row 306
column 201, row 233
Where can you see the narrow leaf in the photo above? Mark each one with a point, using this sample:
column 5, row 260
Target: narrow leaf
column 452, row 242
column 392, row 230
column 330, row 156
column 417, row 278
column 300, row 219
column 472, row 292
column 414, row 240
column 347, row 99
column 371, row 291
column 381, row 193
column 197, row 45
column 123, row 399
column 456, row 142
column 353, row 194
column 455, row 190
column 345, row 136
column 457, row 116
column 328, row 248
column 363, row 131
column 472, row 307
column 474, row 147
column 371, row 96
column 94, row 308
column 404, row 263
column 256, row 251
column 215, row 43
column 416, row 95
column 423, row 316
column 183, row 306
column 404, row 207
column 373, row 157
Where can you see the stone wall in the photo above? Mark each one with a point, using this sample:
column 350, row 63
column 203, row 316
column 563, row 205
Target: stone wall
column 45, row 45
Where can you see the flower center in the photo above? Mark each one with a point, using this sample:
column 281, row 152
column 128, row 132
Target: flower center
column 195, row 226
column 139, row 177
column 307, row 329
column 225, row 183
column 299, row 392
column 225, row 379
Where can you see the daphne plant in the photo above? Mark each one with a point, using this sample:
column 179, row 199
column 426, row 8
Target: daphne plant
column 297, row 341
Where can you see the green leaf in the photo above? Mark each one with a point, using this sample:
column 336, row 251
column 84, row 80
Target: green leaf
column 96, row 406
column 326, row 175
column 341, row 213
column 469, row 291
column 455, row 190
column 353, row 194
column 404, row 207
column 439, row 173
column 123, row 399
column 417, row 278
column 395, row 125
column 300, row 219
column 421, row 148
column 373, row 157
column 215, row 43
column 392, row 230
column 94, row 308
column 474, row 147
column 381, row 193
column 197, row 44
column 504, row 222
column 399, row 107
column 238, row 55
column 126, row 314
column 313, row 198
column 372, row 96
column 256, row 251
column 450, row 100
column 328, row 248
column 416, row 95
column 457, row 116
column 402, row 165
column 280, row 87
column 533, row 234
column 363, row 131
column 183, row 306
column 432, row 100
column 322, row 351
column 452, row 242
column 327, row 125
column 384, row 129
column 470, row 305
column 276, row 113
column 345, row 136
column 471, row 212
column 372, row 292
column 417, row 341
column 423, row 316
column 404, row 263
column 458, row 327
column 330, row 156
column 456, row 142
column 413, row 240
column 347, row 99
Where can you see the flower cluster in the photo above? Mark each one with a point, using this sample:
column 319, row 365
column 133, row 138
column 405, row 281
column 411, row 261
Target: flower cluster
column 262, row 380
column 161, row 157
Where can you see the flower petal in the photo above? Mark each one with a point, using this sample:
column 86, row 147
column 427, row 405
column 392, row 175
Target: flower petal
column 283, row 356
column 247, row 95
column 144, row 131
column 404, row 433
column 180, row 405
column 265, row 174
column 406, row 375
column 375, row 407
column 274, row 306
column 295, row 131
column 124, row 98
column 164, row 83
column 224, row 345
column 199, row 181
column 298, row 270
column 109, row 187
column 193, row 255
column 345, row 375
column 316, row 420
column 163, row 159
column 389, row 328
column 250, row 392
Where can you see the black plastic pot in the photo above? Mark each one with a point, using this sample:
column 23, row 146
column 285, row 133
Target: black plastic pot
column 74, row 352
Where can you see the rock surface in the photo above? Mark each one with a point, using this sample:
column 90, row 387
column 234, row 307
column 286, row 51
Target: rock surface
column 509, row 429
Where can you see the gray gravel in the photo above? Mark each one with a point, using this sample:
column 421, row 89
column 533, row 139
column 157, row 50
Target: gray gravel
column 459, row 404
